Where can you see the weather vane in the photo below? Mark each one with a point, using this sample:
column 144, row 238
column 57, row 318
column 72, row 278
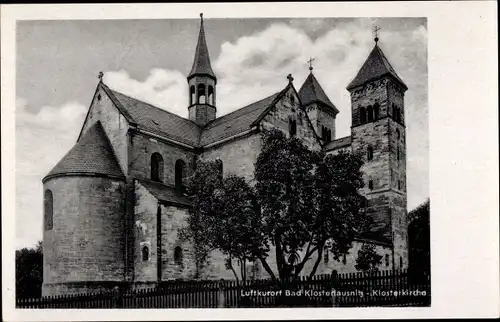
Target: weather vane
column 375, row 32
column 311, row 59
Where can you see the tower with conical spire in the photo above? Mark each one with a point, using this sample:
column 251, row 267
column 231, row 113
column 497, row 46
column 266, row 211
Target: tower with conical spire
column 202, row 83
column 378, row 132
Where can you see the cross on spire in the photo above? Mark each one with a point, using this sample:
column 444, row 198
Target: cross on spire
column 100, row 76
column 375, row 32
column 201, row 16
column 290, row 78
column 311, row 59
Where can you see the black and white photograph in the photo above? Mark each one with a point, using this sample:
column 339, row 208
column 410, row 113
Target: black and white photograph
column 222, row 162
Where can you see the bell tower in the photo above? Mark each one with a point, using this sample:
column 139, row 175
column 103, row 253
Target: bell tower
column 202, row 84
column 379, row 133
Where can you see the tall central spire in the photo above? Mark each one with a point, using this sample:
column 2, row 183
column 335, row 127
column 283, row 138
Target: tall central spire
column 201, row 63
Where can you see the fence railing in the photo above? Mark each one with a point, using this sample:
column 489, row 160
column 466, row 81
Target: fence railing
column 383, row 288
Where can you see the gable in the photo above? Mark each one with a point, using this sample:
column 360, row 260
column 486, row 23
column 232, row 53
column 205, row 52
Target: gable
column 114, row 122
column 286, row 107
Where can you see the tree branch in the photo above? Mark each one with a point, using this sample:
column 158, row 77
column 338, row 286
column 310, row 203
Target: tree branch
column 318, row 260
column 267, row 268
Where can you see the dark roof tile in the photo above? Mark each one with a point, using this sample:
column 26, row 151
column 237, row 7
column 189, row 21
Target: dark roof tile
column 312, row 92
column 92, row 154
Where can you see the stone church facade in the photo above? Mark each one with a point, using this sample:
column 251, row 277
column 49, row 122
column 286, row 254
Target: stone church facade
column 114, row 203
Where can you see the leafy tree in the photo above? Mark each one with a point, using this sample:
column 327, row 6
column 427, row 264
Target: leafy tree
column 29, row 272
column 303, row 203
column 419, row 239
column 368, row 259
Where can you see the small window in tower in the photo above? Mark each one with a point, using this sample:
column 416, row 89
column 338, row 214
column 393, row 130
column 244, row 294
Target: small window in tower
column 326, row 256
column 394, row 112
column 211, row 95
column 369, row 111
column 201, row 94
column 178, row 257
column 156, row 167
column 399, row 184
column 292, row 99
column 386, row 259
column 398, row 154
column 370, row 153
column 48, row 209
column 376, row 111
column 370, row 184
column 292, row 127
column 99, row 97
column 192, row 95
column 145, row 253
column 400, row 262
column 362, row 115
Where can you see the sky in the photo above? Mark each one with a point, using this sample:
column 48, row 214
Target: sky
column 57, row 64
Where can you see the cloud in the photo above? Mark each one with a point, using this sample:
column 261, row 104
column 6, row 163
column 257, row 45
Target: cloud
column 42, row 139
column 166, row 89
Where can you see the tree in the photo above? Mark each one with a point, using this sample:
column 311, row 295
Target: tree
column 368, row 259
column 29, row 272
column 419, row 239
column 303, row 203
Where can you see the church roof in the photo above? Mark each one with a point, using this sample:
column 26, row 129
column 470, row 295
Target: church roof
column 201, row 63
column 337, row 144
column 312, row 92
column 375, row 66
column 235, row 122
column 165, row 193
column 92, row 154
column 156, row 120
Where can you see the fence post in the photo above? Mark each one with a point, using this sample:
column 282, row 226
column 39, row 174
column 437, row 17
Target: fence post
column 334, row 284
column 222, row 298
column 116, row 297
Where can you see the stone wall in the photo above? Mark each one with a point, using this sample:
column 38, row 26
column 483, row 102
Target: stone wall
column 142, row 148
column 87, row 240
column 115, row 125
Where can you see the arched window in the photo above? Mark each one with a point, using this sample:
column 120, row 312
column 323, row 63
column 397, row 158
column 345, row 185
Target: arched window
column 180, row 173
column 48, row 202
column 399, row 184
column 369, row 111
column 156, row 167
column 292, row 127
column 386, row 259
column 376, row 111
column 192, row 95
column 398, row 134
column 201, row 94
column 211, row 95
column 400, row 262
column 178, row 256
column 145, row 253
column 328, row 135
column 399, row 157
column 370, row 184
column 394, row 112
column 370, row 153
column 362, row 115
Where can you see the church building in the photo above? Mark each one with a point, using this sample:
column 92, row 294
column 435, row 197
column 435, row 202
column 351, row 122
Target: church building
column 114, row 203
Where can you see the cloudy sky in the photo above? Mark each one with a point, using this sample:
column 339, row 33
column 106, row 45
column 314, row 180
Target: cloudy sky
column 57, row 63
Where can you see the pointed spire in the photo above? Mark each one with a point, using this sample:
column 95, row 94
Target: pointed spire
column 312, row 92
column 375, row 66
column 201, row 63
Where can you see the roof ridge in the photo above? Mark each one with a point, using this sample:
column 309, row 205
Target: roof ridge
column 151, row 105
column 224, row 117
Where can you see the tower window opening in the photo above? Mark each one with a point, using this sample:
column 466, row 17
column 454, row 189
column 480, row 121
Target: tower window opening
column 178, row 257
column 180, row 173
column 399, row 184
column 156, row 167
column 292, row 127
column 398, row 134
column 211, row 95
column 398, row 154
column 48, row 209
column 370, row 153
column 400, row 262
column 394, row 112
column 362, row 115
column 386, row 259
column 376, row 111
column 201, row 94
column 369, row 111
column 370, row 184
column 192, row 95
column 145, row 253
